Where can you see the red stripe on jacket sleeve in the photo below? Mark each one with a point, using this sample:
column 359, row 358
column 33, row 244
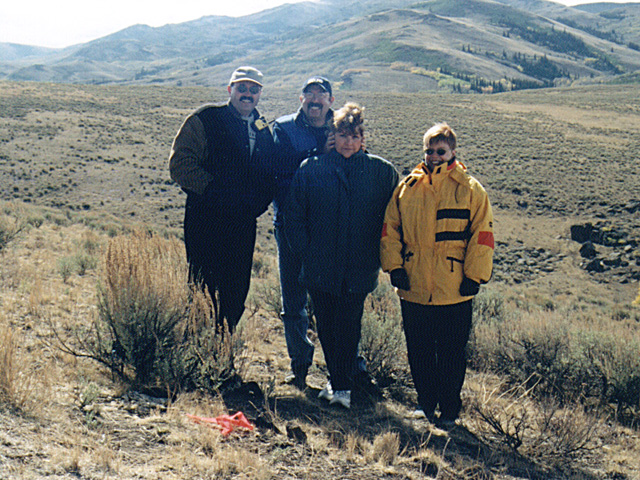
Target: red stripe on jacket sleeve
column 486, row 238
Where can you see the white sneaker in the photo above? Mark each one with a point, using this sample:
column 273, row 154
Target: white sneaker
column 342, row 397
column 418, row 414
column 326, row 393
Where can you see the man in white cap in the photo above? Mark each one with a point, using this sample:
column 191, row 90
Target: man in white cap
column 222, row 158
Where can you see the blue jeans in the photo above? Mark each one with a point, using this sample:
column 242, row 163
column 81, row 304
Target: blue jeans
column 294, row 312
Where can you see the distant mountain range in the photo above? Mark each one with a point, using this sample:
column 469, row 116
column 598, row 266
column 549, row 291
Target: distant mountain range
column 456, row 45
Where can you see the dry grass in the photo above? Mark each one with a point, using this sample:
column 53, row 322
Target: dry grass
column 17, row 387
column 113, row 433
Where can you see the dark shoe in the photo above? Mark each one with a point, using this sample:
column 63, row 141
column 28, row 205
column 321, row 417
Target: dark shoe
column 298, row 380
column 447, row 423
column 363, row 383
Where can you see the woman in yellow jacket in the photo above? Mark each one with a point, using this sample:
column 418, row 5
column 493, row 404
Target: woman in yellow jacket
column 437, row 245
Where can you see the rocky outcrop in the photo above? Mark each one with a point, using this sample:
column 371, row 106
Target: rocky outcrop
column 609, row 253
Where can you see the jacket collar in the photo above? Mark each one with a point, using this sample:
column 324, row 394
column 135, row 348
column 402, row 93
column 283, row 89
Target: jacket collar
column 254, row 113
column 339, row 159
column 455, row 170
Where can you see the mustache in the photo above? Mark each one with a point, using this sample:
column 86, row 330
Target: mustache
column 246, row 98
column 315, row 104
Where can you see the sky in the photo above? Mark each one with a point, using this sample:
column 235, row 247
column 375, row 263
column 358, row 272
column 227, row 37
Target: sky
column 61, row 23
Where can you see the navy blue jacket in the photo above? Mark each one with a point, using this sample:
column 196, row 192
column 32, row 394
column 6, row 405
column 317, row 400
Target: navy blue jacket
column 295, row 140
column 335, row 210
column 211, row 160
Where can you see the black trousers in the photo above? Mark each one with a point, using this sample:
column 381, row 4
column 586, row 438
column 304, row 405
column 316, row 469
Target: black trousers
column 437, row 337
column 338, row 320
column 220, row 255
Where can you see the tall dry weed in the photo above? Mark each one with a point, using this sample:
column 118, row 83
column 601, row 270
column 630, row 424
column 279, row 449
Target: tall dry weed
column 16, row 383
column 386, row 448
column 153, row 328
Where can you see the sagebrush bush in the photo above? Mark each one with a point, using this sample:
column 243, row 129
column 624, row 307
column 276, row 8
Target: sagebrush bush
column 538, row 428
column 12, row 221
column 139, row 303
column 488, row 306
column 265, row 294
column 205, row 358
column 153, row 328
column 563, row 356
column 382, row 342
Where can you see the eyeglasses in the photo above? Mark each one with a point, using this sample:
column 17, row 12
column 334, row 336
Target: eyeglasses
column 310, row 95
column 440, row 151
column 254, row 89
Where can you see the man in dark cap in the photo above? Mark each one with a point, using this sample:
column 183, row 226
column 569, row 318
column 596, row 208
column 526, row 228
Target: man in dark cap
column 297, row 136
column 222, row 158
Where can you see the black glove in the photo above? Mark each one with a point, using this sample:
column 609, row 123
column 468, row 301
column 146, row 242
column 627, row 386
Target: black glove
column 400, row 279
column 469, row 287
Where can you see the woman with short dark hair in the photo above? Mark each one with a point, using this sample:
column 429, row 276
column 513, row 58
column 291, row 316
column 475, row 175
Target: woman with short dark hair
column 334, row 218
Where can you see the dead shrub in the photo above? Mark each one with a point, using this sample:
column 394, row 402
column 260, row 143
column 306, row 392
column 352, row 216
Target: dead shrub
column 12, row 221
column 538, row 428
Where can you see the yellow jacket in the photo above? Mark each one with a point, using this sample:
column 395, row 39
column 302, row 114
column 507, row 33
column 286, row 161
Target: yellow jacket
column 438, row 227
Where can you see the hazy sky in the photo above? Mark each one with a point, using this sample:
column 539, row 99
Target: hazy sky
column 60, row 23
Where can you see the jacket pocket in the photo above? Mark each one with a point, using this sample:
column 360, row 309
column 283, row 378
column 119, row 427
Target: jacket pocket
column 453, row 262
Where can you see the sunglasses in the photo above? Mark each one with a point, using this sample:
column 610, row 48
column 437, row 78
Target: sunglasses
column 440, row 151
column 254, row 89
column 310, row 95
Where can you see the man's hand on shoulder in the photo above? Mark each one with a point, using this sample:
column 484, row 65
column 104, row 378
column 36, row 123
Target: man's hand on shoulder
column 331, row 142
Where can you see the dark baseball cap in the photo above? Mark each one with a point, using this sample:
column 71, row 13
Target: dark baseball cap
column 321, row 82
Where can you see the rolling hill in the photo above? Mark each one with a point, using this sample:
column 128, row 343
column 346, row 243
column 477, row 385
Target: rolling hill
column 399, row 45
